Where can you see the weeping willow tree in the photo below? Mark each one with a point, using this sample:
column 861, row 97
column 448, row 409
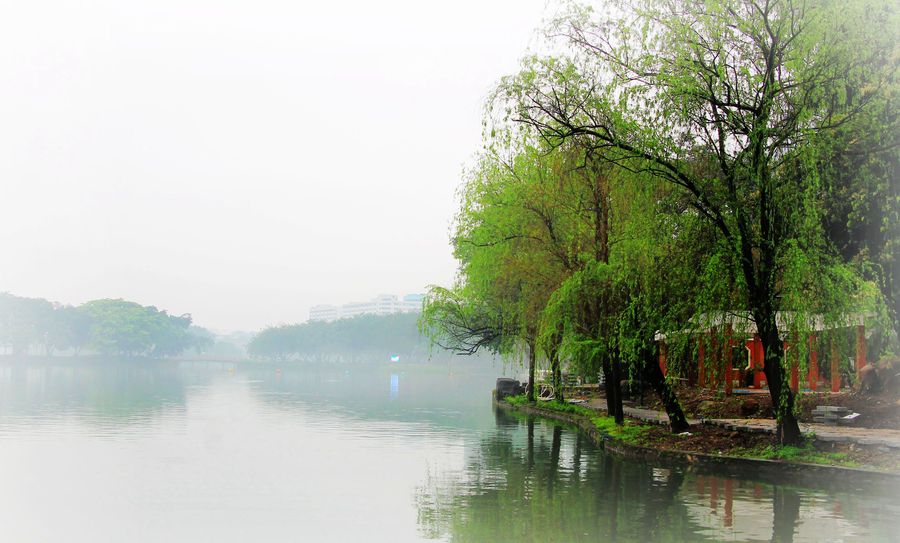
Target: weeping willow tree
column 605, row 315
column 859, row 165
column 456, row 321
column 505, row 237
column 534, row 237
column 723, row 100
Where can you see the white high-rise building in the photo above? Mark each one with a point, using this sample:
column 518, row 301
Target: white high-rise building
column 383, row 304
column 325, row 313
column 412, row 303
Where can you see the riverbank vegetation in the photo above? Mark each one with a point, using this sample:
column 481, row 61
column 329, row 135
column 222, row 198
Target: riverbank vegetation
column 716, row 441
column 363, row 338
column 106, row 327
column 656, row 168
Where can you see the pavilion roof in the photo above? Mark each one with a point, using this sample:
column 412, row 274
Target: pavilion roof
column 742, row 323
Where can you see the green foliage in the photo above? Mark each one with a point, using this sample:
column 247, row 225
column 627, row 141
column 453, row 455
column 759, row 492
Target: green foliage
column 68, row 328
column 24, row 321
column 366, row 337
column 565, row 407
column 734, row 104
column 805, row 453
column 457, row 321
column 128, row 328
column 631, row 432
column 516, row 239
column 684, row 168
column 101, row 326
column 519, row 400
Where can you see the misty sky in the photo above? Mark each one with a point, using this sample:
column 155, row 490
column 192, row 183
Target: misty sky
column 240, row 160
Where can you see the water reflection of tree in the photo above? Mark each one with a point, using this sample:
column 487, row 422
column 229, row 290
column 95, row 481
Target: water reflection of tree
column 550, row 485
column 786, row 509
column 534, row 481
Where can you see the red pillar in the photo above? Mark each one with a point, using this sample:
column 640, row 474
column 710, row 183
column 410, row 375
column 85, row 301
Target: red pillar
column 813, row 364
column 860, row 347
column 760, row 364
column 701, row 371
column 726, row 352
column 795, row 363
column 835, row 368
column 757, row 361
column 714, row 358
column 662, row 357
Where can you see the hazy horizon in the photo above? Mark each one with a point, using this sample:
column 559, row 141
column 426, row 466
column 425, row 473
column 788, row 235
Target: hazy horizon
column 241, row 163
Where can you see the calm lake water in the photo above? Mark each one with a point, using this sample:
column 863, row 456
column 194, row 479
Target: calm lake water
column 144, row 451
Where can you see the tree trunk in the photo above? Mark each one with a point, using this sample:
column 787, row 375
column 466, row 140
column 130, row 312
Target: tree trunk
column 619, row 413
column 532, row 359
column 677, row 421
column 788, row 429
column 556, row 371
column 613, row 376
column 608, row 388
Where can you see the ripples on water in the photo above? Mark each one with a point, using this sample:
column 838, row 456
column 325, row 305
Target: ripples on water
column 138, row 451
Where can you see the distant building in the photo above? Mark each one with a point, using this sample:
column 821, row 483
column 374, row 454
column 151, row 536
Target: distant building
column 412, row 303
column 325, row 313
column 383, row 304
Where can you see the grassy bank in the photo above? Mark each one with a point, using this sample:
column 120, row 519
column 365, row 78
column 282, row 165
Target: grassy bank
column 632, row 432
column 713, row 441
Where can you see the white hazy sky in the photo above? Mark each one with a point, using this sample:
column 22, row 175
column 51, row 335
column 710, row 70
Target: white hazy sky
column 241, row 160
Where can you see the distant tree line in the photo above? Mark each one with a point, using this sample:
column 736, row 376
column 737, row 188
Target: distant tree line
column 107, row 326
column 366, row 337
